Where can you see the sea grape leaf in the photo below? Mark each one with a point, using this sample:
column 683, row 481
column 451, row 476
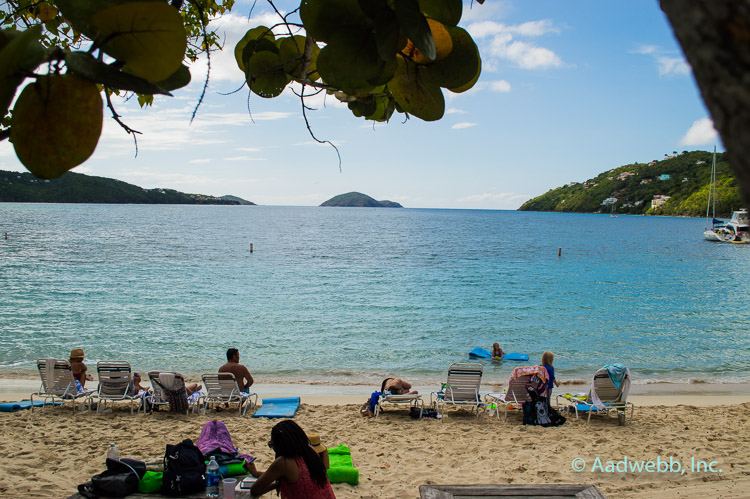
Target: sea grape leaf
column 21, row 53
column 79, row 12
column 372, row 8
column 388, row 35
column 178, row 79
column 415, row 25
column 447, row 12
column 264, row 74
column 416, row 91
column 291, row 50
column 253, row 35
column 87, row 66
column 461, row 69
column 149, row 37
column 322, row 18
column 351, row 63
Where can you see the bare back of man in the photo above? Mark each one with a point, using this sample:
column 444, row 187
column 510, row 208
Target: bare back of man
column 244, row 378
column 397, row 386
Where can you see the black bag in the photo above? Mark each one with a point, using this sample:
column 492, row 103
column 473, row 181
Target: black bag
column 120, row 479
column 538, row 412
column 414, row 412
column 184, row 469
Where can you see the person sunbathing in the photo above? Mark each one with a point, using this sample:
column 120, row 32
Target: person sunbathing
column 397, row 386
column 297, row 471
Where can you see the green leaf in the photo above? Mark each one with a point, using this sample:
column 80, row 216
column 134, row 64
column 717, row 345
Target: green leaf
column 447, row 12
column 87, row 66
column 264, row 74
column 291, row 50
column 416, row 91
column 461, row 69
column 22, row 53
column 350, row 62
column 414, row 24
column 251, row 39
column 322, row 18
column 79, row 12
column 178, row 79
column 149, row 37
column 388, row 35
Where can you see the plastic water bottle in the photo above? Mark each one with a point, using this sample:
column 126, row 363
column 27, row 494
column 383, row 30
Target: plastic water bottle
column 212, row 478
column 112, row 452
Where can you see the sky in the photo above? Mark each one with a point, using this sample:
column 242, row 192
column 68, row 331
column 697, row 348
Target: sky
column 568, row 89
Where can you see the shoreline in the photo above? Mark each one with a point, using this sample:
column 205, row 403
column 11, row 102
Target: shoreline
column 652, row 394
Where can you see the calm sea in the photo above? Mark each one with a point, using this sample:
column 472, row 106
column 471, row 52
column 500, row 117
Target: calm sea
column 349, row 295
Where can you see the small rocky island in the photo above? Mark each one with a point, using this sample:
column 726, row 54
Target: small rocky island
column 357, row 199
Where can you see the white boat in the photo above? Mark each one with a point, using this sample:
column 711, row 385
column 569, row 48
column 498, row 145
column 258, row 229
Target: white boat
column 712, row 234
column 737, row 230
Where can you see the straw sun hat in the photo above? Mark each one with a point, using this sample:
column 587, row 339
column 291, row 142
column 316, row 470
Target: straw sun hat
column 77, row 353
column 314, row 440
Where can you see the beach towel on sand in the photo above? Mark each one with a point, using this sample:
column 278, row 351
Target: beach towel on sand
column 341, row 469
column 215, row 439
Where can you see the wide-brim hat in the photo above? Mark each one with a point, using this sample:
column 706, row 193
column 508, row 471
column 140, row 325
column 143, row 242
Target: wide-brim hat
column 314, row 440
column 77, row 353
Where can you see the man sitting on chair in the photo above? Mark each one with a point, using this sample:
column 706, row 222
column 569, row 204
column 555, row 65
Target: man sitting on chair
column 244, row 378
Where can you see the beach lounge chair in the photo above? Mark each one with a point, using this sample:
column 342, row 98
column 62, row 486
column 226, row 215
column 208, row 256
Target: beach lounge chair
column 517, row 393
column 461, row 388
column 168, row 389
column 412, row 399
column 115, row 383
column 223, row 388
column 58, row 383
column 607, row 396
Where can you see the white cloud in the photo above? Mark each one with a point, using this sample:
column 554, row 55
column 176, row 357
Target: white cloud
column 701, row 132
column 666, row 62
column 505, row 197
column 673, row 65
column 243, row 158
column 464, row 124
column 500, row 86
column 502, row 43
column 205, row 160
column 453, row 110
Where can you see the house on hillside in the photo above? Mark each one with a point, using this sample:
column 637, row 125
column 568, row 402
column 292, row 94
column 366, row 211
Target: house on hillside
column 659, row 201
column 625, row 175
column 609, row 201
column 652, row 163
column 646, row 181
column 664, row 176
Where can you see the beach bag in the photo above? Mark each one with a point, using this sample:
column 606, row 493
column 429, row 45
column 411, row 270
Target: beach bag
column 555, row 418
column 184, row 469
column 178, row 401
column 426, row 413
column 120, row 479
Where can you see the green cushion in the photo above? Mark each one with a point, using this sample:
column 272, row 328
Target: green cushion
column 341, row 469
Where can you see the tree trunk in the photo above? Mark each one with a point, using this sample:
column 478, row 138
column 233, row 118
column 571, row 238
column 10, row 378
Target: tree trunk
column 715, row 36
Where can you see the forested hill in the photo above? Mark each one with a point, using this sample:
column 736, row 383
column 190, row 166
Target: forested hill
column 680, row 181
column 80, row 188
column 359, row 200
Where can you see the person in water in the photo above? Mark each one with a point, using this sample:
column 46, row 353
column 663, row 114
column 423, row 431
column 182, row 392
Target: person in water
column 79, row 368
column 497, row 352
column 297, row 472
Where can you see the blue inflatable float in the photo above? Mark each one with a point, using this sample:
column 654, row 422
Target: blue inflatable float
column 481, row 353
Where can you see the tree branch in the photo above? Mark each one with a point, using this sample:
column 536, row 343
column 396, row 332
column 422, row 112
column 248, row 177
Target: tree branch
column 116, row 117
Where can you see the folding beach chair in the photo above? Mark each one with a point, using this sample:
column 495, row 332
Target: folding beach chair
column 607, row 396
column 461, row 389
column 517, row 392
column 412, row 399
column 58, row 383
column 115, row 383
column 223, row 388
column 168, row 389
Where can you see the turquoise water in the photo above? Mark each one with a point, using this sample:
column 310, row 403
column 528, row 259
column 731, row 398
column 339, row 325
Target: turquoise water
column 348, row 295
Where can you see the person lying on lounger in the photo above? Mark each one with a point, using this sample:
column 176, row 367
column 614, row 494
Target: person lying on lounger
column 397, row 386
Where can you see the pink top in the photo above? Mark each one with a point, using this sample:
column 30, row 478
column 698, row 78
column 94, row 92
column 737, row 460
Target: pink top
column 304, row 487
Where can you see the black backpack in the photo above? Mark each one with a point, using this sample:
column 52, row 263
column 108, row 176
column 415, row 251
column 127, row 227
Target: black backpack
column 120, row 479
column 184, row 469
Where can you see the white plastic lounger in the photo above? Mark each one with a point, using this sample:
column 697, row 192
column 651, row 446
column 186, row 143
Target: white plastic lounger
column 58, row 383
column 461, row 389
column 115, row 383
column 223, row 388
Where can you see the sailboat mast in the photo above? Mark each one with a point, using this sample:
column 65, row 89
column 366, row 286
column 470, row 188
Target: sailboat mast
column 713, row 182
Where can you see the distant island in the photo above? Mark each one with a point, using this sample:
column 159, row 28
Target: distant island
column 357, row 199
column 16, row 187
column 677, row 185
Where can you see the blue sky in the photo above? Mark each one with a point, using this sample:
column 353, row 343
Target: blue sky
column 568, row 89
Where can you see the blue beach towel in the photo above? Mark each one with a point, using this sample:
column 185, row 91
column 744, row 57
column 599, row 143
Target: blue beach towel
column 374, row 400
column 24, row 404
column 616, row 373
column 284, row 407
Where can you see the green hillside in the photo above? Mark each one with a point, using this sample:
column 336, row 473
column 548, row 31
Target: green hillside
column 79, row 188
column 632, row 188
column 357, row 199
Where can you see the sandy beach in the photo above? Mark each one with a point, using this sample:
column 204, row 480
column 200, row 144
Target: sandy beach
column 704, row 428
